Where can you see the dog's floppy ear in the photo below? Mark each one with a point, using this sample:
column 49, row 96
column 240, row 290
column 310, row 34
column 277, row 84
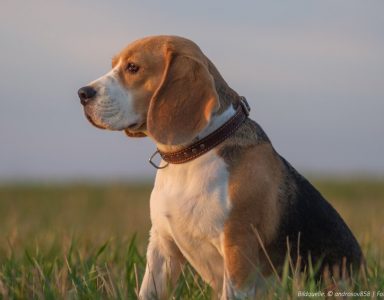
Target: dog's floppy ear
column 184, row 102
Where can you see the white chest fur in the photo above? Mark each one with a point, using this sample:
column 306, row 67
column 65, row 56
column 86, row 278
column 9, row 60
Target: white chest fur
column 189, row 204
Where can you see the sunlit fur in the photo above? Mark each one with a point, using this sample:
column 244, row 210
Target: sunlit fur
column 210, row 210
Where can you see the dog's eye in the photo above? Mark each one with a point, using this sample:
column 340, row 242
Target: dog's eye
column 132, row 68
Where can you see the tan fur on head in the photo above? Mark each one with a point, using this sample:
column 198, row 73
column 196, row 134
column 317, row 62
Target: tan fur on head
column 171, row 97
column 184, row 102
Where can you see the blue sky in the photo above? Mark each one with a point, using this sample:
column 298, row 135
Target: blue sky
column 313, row 72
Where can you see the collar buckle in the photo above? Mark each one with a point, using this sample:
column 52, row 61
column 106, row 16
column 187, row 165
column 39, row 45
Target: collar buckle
column 244, row 104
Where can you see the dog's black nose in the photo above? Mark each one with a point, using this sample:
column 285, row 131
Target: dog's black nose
column 86, row 94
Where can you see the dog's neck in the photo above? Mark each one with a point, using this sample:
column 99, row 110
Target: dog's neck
column 216, row 121
column 228, row 99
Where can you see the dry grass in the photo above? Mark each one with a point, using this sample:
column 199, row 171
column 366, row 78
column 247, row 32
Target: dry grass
column 75, row 242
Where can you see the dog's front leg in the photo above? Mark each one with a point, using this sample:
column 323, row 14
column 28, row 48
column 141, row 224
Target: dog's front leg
column 164, row 264
column 232, row 292
column 240, row 263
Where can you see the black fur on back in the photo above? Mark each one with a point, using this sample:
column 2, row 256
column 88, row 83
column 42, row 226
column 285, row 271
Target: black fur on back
column 324, row 236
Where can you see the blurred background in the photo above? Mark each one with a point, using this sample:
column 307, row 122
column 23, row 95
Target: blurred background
column 312, row 71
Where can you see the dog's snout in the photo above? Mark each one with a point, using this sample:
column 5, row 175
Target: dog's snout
column 86, row 94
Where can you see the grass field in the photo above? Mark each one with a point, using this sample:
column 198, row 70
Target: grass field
column 88, row 242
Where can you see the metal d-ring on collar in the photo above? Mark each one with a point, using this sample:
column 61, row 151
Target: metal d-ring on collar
column 154, row 164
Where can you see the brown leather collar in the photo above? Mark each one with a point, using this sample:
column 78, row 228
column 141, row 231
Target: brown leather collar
column 207, row 143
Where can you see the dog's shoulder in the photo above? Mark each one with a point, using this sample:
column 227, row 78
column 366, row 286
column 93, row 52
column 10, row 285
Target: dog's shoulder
column 246, row 144
column 255, row 176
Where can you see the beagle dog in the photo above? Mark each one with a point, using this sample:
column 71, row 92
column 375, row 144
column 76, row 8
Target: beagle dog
column 223, row 200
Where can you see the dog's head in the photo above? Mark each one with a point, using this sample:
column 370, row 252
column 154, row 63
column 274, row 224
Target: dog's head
column 158, row 86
